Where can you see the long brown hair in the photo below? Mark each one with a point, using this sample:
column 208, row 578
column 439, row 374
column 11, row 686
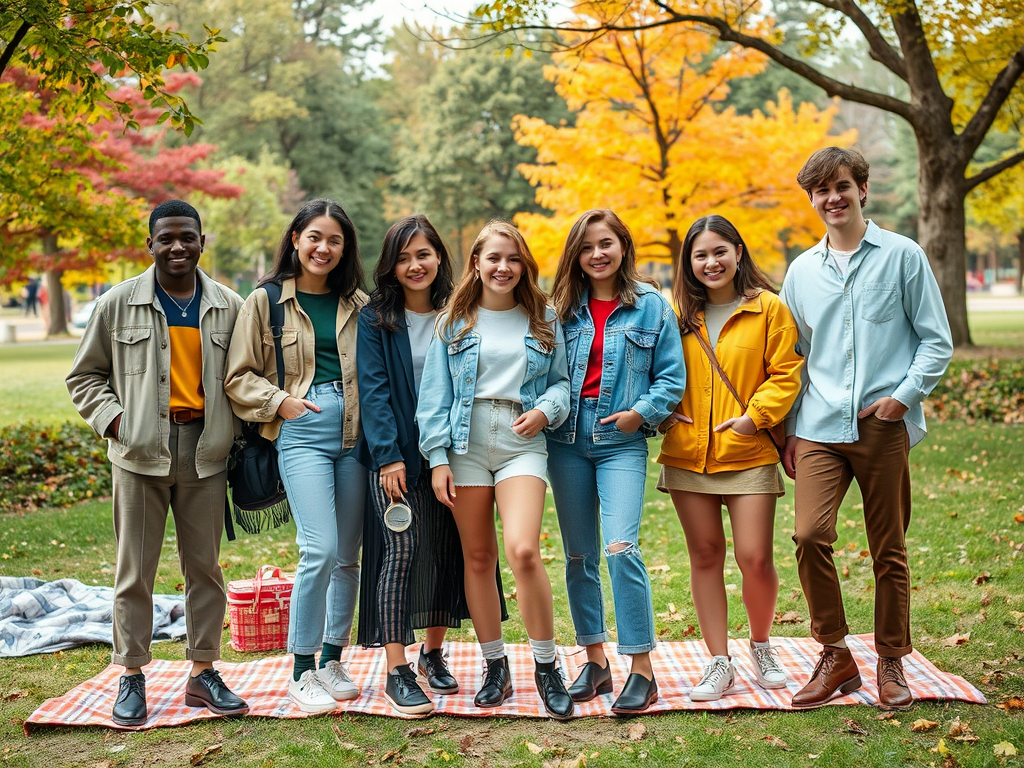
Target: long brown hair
column 570, row 280
column 466, row 297
column 691, row 295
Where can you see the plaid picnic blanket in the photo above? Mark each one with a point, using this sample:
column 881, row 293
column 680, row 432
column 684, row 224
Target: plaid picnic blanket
column 677, row 667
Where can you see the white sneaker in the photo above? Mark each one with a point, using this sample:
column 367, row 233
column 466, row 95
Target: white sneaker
column 719, row 676
column 335, row 678
column 770, row 674
column 309, row 694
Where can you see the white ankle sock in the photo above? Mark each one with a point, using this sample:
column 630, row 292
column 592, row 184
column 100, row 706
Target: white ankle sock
column 543, row 650
column 765, row 644
column 493, row 649
column 839, row 643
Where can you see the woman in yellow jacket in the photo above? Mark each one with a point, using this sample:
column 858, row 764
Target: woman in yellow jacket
column 717, row 451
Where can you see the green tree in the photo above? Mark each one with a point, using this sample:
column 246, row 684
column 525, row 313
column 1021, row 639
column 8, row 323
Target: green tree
column 461, row 162
column 960, row 65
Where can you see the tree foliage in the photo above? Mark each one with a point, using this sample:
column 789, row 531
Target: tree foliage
column 654, row 141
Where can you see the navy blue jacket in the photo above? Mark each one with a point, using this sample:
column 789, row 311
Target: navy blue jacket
column 387, row 398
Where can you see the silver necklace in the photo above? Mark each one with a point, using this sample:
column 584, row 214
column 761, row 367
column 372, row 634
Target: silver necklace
column 184, row 310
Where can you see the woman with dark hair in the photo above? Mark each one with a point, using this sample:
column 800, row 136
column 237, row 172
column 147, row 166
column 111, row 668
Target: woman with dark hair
column 716, row 450
column 412, row 563
column 314, row 422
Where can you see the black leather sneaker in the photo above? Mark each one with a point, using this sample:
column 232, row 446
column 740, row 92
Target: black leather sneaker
column 551, row 688
column 207, row 689
column 496, row 685
column 404, row 693
column 130, row 707
column 433, row 669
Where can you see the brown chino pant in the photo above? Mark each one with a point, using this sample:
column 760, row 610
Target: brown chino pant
column 140, row 519
column 879, row 463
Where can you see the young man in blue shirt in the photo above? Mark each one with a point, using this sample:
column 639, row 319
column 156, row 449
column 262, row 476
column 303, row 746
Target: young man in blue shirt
column 875, row 339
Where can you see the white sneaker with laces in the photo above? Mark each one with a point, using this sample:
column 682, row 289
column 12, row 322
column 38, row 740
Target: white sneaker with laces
column 308, row 693
column 336, row 680
column 770, row 673
column 719, row 676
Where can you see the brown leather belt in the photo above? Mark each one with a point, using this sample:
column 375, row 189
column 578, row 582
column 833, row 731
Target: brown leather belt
column 185, row 416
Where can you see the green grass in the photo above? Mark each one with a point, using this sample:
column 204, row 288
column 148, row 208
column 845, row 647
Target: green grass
column 32, row 385
column 968, row 485
column 997, row 329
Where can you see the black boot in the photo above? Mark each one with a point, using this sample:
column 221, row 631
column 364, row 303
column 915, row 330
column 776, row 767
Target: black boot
column 432, row 667
column 551, row 688
column 496, row 685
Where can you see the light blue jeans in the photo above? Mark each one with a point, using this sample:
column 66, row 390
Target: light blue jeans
column 326, row 489
column 601, row 486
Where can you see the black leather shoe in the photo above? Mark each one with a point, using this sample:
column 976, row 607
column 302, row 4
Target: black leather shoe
column 130, row 707
column 637, row 695
column 592, row 681
column 551, row 687
column 208, row 690
column 496, row 685
column 432, row 667
column 404, row 693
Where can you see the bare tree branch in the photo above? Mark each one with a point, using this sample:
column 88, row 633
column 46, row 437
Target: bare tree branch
column 993, row 170
column 985, row 115
column 879, row 48
column 12, row 46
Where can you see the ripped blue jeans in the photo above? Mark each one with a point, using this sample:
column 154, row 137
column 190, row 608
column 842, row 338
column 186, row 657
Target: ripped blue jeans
column 599, row 497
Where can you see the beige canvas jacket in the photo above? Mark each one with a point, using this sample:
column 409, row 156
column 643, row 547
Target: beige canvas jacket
column 123, row 367
column 251, row 380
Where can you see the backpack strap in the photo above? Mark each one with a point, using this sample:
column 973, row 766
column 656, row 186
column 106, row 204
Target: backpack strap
column 276, row 326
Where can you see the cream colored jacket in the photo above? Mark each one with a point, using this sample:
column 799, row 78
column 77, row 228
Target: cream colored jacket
column 251, row 379
column 123, row 366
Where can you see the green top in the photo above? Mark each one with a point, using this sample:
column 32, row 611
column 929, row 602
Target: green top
column 322, row 309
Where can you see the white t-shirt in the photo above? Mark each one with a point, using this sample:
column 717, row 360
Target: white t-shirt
column 502, row 366
column 842, row 259
column 421, row 330
column 715, row 317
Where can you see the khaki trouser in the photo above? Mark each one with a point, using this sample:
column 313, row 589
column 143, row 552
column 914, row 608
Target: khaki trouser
column 878, row 461
column 140, row 518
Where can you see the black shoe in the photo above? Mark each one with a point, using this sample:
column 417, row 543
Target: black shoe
column 404, row 693
column 637, row 695
column 496, row 685
column 207, row 689
column 130, row 707
column 592, row 681
column 551, row 688
column 432, row 667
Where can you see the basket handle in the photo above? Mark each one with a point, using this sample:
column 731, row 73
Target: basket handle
column 271, row 571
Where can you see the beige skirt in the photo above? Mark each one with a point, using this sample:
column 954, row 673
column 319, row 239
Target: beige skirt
column 766, row 479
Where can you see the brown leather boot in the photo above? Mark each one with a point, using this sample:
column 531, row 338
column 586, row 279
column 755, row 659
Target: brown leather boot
column 893, row 692
column 836, row 673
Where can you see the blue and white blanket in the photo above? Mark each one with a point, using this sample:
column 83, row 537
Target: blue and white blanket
column 44, row 616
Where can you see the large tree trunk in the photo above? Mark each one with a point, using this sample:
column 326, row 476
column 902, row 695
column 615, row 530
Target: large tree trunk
column 57, row 324
column 1020, row 261
column 942, row 231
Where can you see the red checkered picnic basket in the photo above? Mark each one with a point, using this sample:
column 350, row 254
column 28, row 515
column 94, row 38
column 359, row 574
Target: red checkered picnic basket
column 259, row 610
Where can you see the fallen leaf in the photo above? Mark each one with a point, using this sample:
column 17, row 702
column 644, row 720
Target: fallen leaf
column 894, row 722
column 1019, row 517
column 636, row 732
column 391, row 753
column 1004, row 749
column 940, row 748
column 415, row 732
column 14, row 695
column 713, row 731
column 789, row 617
column 852, row 726
column 885, row 716
column 981, row 578
column 690, row 631
column 1009, row 704
column 923, row 726
column 198, row 757
column 534, row 749
column 576, row 762
column 957, row 639
column 961, row 731
column 846, row 571
column 775, row 741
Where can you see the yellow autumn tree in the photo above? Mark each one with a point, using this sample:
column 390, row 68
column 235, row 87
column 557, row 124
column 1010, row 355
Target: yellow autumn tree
column 653, row 141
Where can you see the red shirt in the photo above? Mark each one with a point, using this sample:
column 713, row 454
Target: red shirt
column 599, row 310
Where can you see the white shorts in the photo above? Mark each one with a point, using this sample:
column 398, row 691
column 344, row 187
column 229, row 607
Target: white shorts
column 495, row 452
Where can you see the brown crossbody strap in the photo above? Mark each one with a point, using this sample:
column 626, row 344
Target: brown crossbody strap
column 718, row 368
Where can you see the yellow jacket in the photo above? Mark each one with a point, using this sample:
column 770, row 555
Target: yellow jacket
column 251, row 378
column 757, row 351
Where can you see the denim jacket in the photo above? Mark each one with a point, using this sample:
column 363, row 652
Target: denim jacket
column 643, row 365
column 449, row 384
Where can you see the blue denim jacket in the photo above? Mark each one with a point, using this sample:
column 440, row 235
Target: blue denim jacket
column 449, row 385
column 643, row 365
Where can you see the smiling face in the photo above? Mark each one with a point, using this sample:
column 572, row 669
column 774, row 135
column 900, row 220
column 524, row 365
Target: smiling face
column 714, row 260
column 176, row 245
column 839, row 201
column 319, row 247
column 417, row 266
column 601, row 255
column 500, row 267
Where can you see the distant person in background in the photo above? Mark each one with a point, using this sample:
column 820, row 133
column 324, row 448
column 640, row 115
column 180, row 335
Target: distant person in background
column 30, row 294
column 875, row 338
column 148, row 376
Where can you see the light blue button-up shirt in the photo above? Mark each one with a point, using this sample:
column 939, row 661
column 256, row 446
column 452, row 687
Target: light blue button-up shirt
column 878, row 331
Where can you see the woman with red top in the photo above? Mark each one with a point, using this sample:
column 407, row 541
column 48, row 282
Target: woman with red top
column 626, row 375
